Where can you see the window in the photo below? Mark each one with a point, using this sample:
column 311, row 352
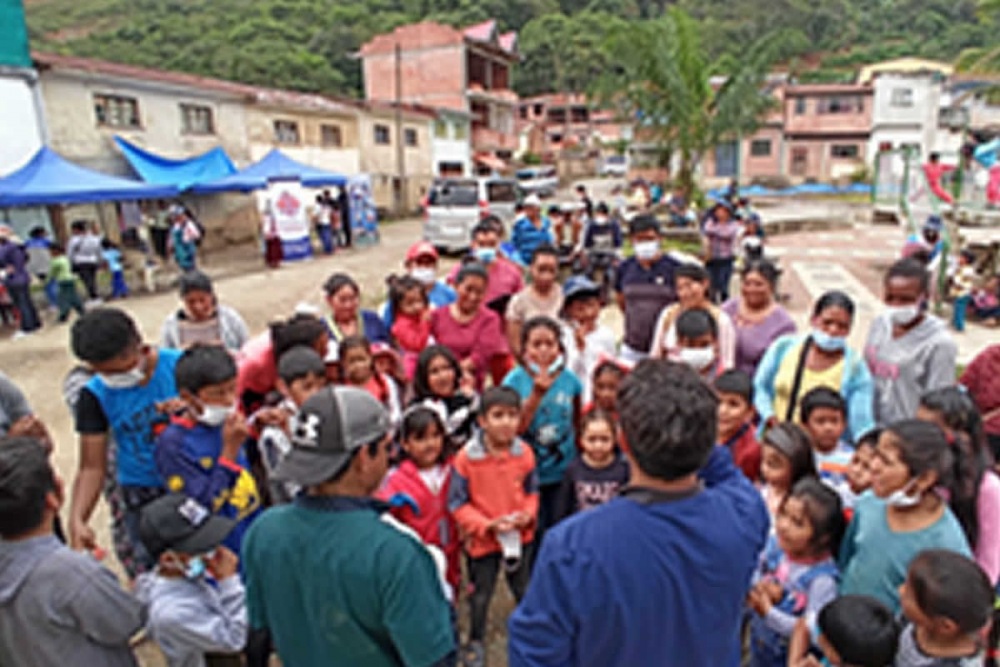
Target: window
column 523, row 112
column 538, row 108
column 901, row 97
column 196, row 119
column 410, row 137
column 800, row 106
column 760, row 147
column 286, row 132
column 800, row 161
column 116, row 111
column 501, row 192
column 331, row 136
column 841, row 104
column 844, row 151
column 441, row 128
column 382, row 135
column 461, row 130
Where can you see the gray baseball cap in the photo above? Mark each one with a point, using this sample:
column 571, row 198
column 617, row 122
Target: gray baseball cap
column 328, row 429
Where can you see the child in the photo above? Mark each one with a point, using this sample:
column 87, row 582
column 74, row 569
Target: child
column 493, row 496
column 551, row 396
column 859, row 473
column 698, row 342
column 851, row 631
column 438, row 384
column 608, row 376
column 358, row 370
column 691, row 283
column 301, row 373
column 57, row 606
column 594, row 477
column 809, row 528
column 949, row 601
column 736, row 431
column 543, row 296
column 196, row 601
column 412, row 325
column 824, row 416
column 585, row 339
column 200, row 454
column 786, row 457
column 602, row 239
column 61, row 275
column 903, row 516
column 962, row 284
column 986, row 301
column 113, row 258
column 389, row 364
column 423, row 476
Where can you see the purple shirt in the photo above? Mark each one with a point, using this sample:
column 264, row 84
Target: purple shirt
column 13, row 259
column 752, row 340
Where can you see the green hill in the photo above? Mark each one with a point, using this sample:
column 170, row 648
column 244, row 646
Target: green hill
column 309, row 44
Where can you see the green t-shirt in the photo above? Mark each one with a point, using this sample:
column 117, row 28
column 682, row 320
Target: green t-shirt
column 60, row 270
column 336, row 585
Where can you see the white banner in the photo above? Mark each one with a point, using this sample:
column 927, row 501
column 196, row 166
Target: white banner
column 288, row 203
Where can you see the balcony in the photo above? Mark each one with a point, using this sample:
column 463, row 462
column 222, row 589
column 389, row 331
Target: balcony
column 476, row 91
column 486, row 139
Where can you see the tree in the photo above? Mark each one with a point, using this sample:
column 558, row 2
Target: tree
column 982, row 59
column 662, row 78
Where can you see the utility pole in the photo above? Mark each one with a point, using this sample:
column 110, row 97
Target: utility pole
column 400, row 191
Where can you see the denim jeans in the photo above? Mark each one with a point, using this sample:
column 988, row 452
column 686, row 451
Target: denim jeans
column 20, row 295
column 958, row 311
column 720, row 273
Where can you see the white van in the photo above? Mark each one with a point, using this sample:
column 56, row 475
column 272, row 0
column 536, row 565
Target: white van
column 456, row 205
column 542, row 181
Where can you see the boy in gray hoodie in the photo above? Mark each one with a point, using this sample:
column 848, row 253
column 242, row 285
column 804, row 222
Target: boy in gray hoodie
column 58, row 607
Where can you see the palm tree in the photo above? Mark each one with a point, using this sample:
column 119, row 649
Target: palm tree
column 661, row 78
column 983, row 59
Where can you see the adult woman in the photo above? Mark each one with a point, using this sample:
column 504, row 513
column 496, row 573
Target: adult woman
column 201, row 319
column 982, row 379
column 346, row 317
column 84, row 252
column 758, row 318
column 692, row 284
column 794, row 365
column 468, row 328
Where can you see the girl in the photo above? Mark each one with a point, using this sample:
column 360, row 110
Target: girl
column 412, row 326
column 594, row 477
column 809, row 527
column 974, row 493
column 423, row 477
column 437, row 383
column 903, row 516
column 585, row 338
column 786, row 458
column 551, row 408
column 358, row 370
column 607, row 378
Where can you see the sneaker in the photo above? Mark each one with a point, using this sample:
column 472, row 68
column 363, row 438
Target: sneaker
column 474, row 655
column 19, row 335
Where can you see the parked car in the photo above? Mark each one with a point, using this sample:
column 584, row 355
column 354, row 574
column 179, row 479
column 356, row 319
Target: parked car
column 456, row 205
column 542, row 181
column 614, row 165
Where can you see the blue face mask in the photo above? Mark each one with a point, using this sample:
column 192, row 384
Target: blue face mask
column 828, row 343
column 553, row 367
column 195, row 569
column 485, row 255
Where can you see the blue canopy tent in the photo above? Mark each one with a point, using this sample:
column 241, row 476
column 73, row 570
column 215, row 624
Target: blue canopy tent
column 49, row 179
column 209, row 166
column 275, row 166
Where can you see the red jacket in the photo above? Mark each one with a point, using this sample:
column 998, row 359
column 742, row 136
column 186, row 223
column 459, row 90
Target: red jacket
column 411, row 333
column 745, row 451
column 434, row 522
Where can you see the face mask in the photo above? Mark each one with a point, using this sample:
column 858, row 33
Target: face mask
column 215, row 415
column 901, row 497
column 903, row 315
column 485, row 255
column 128, row 379
column 194, row 570
column 697, row 358
column 553, row 367
column 647, row 249
column 424, row 275
column 828, row 343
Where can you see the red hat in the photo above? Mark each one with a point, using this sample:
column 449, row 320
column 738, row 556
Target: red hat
column 421, row 249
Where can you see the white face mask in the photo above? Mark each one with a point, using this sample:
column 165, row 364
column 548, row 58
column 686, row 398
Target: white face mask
column 647, row 249
column 903, row 315
column 215, row 415
column 902, row 498
column 698, row 358
column 423, row 275
column 128, row 379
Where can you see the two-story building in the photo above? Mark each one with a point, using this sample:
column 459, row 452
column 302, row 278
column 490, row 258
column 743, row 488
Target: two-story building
column 826, row 130
column 906, row 111
column 397, row 186
column 441, row 67
column 549, row 124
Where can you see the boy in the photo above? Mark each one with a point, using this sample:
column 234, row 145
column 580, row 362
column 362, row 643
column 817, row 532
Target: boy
column 949, row 602
column 698, row 342
column 824, row 416
column 132, row 395
column 200, row 454
column 542, row 296
column 494, row 498
column 189, row 614
column 962, row 284
column 585, row 339
column 736, row 430
column 851, row 631
column 58, row 607
column 61, row 275
column 301, row 374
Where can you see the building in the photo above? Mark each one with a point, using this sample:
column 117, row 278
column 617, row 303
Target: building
column 905, row 111
column 826, row 130
column 397, row 187
column 440, row 67
column 450, row 147
column 550, row 124
column 867, row 74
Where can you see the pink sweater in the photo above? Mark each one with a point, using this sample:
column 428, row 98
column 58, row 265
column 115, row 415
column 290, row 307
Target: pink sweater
column 987, row 550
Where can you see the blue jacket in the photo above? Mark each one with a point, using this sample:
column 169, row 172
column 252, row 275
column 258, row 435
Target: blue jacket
column 856, row 386
column 646, row 579
column 372, row 327
column 526, row 237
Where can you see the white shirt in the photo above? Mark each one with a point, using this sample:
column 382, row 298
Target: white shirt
column 599, row 342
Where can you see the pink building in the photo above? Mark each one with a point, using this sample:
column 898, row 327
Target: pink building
column 558, row 121
column 442, row 67
column 826, row 128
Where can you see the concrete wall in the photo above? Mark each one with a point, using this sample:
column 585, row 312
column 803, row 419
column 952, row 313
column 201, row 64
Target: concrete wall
column 762, row 166
column 310, row 149
column 905, row 111
column 813, row 121
column 451, row 143
column 380, row 160
column 20, row 130
column 819, row 163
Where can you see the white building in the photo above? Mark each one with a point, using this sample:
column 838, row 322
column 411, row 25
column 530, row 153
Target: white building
column 450, row 145
column 905, row 112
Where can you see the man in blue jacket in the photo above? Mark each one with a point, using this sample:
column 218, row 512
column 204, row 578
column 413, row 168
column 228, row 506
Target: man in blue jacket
column 657, row 576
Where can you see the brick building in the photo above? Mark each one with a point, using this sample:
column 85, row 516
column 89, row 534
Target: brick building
column 548, row 124
column 827, row 127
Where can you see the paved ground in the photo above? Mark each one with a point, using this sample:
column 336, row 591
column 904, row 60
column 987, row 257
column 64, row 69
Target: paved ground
column 851, row 258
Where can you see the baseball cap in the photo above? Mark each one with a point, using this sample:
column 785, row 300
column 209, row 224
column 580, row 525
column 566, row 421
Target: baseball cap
column 533, row 200
column 300, row 361
column 934, row 223
column 330, row 426
column 579, row 286
column 175, row 522
column 421, row 249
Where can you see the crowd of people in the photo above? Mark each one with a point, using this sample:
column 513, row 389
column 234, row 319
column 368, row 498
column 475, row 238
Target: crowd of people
column 348, row 485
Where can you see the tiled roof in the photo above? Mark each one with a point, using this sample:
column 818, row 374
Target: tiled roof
column 483, row 32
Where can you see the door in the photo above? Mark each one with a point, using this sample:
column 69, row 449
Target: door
column 725, row 159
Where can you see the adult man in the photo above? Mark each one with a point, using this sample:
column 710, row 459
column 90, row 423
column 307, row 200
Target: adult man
column 330, row 576
column 17, row 280
column 531, row 230
column 422, row 263
column 926, row 245
column 644, row 285
column 657, row 576
column 588, row 203
column 505, row 276
column 85, row 255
